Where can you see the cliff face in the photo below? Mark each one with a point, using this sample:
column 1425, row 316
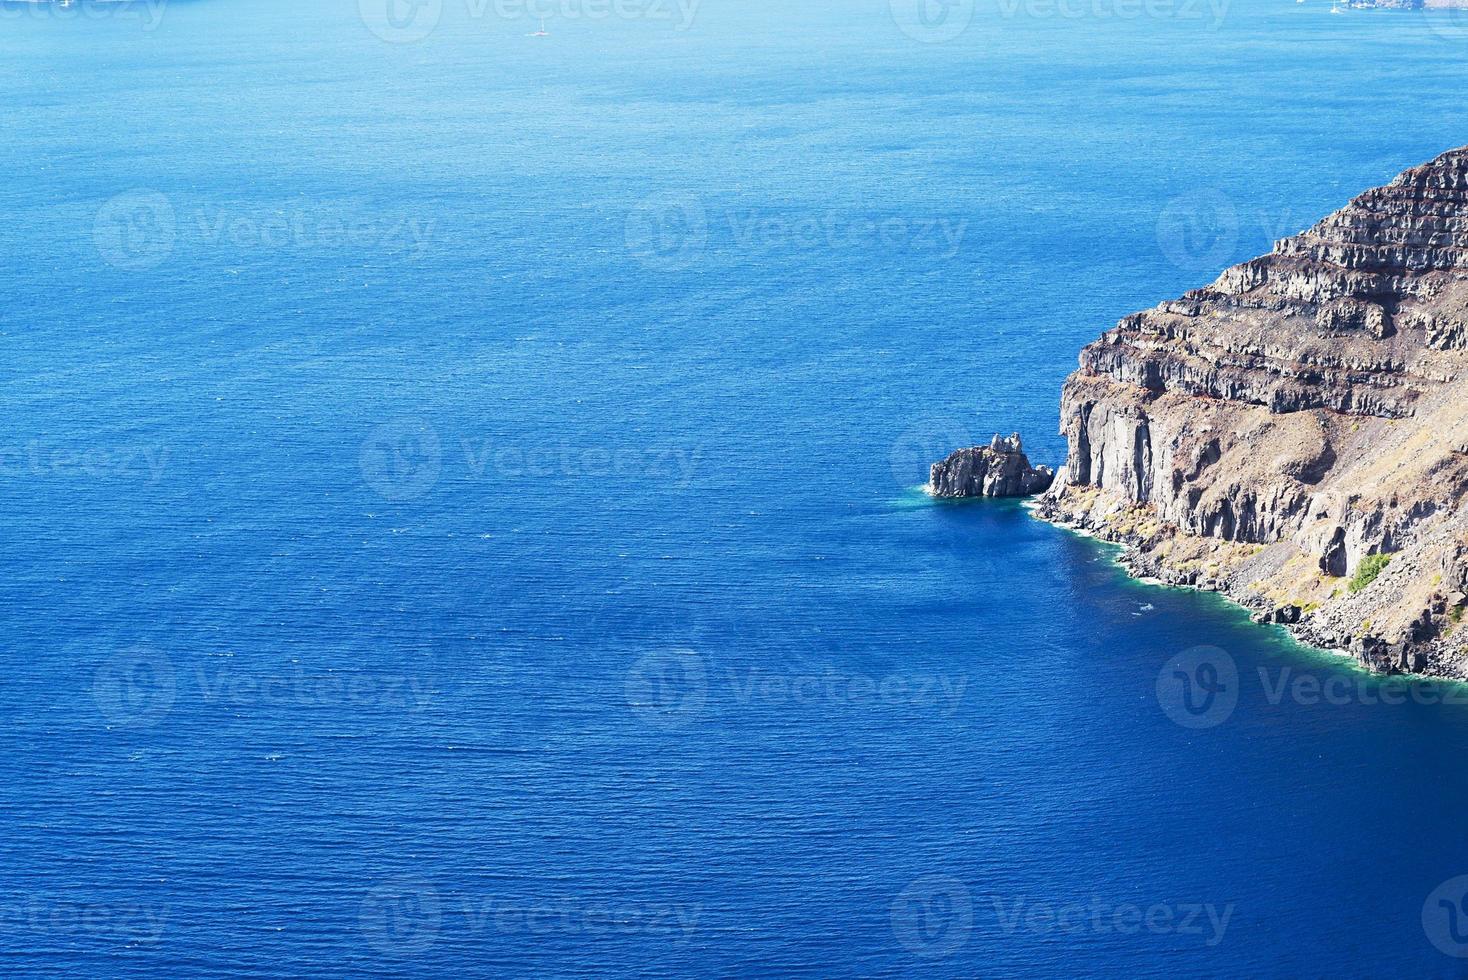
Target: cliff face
column 1266, row 434
column 1000, row 469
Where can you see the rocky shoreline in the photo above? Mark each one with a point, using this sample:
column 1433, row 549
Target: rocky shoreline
column 1293, row 436
column 1373, row 653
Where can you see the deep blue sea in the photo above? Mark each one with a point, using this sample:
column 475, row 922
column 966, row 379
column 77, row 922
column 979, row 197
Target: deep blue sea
column 461, row 514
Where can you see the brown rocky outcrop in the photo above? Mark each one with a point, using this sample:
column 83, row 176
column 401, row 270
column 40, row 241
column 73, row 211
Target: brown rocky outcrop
column 1263, row 435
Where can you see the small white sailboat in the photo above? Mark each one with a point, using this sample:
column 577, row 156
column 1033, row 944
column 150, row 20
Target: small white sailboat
column 541, row 32
column 1336, row 8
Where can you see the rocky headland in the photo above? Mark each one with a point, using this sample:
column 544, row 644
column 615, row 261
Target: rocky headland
column 1295, row 435
column 1000, row 469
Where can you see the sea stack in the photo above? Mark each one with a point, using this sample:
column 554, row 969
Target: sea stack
column 1000, row 469
column 1295, row 435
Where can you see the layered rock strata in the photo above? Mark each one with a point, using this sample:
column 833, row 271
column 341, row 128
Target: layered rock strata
column 1265, row 435
column 1000, row 469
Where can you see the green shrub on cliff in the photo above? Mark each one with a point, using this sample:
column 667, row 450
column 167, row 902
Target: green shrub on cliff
column 1371, row 566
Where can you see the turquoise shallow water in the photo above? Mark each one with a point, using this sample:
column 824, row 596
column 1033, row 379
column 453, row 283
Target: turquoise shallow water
column 459, row 509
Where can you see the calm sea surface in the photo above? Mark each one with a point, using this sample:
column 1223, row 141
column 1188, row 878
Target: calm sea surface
column 459, row 508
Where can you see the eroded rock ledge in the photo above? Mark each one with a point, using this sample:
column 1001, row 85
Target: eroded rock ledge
column 1263, row 436
column 1000, row 469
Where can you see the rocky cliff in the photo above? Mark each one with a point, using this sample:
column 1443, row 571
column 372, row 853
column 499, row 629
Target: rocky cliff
column 1000, row 469
column 1267, row 435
